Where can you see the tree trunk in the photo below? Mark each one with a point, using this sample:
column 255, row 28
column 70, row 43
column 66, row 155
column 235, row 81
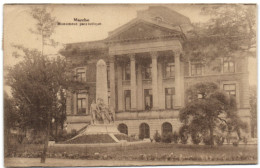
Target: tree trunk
column 43, row 158
column 211, row 132
column 56, row 131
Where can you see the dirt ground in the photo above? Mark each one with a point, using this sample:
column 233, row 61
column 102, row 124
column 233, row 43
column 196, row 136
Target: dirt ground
column 25, row 162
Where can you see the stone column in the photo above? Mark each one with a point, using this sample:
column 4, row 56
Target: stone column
column 177, row 79
column 133, row 81
column 139, row 87
column 161, row 95
column 119, row 88
column 154, row 80
column 112, row 82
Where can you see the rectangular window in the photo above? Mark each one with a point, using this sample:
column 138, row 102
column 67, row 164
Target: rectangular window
column 127, row 72
column 81, row 103
column 81, row 74
column 147, row 71
column 228, row 65
column 127, row 99
column 148, row 99
column 169, row 98
column 196, row 69
column 230, row 89
column 169, row 70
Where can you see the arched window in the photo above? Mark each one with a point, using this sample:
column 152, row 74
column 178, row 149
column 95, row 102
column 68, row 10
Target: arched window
column 166, row 128
column 144, row 131
column 123, row 128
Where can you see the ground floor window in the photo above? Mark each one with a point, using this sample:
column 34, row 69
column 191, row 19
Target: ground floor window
column 144, row 131
column 166, row 128
column 169, row 98
column 81, row 103
column 123, row 128
column 127, row 99
column 230, row 89
column 148, row 99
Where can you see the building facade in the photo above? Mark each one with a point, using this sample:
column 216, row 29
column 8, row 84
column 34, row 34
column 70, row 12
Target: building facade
column 148, row 74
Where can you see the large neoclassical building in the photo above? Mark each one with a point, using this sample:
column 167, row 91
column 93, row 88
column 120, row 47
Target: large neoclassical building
column 147, row 75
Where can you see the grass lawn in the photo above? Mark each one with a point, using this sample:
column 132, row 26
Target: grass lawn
column 158, row 149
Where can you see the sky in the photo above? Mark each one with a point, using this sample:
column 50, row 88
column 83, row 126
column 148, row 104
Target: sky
column 17, row 22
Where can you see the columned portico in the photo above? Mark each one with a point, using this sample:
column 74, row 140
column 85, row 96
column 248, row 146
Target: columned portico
column 157, row 84
column 154, row 79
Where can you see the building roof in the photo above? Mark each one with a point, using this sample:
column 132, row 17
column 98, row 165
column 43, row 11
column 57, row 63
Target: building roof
column 167, row 15
column 159, row 16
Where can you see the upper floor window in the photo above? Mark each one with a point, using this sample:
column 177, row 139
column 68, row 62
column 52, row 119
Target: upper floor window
column 196, row 69
column 228, row 65
column 169, row 70
column 127, row 73
column 230, row 89
column 81, row 74
column 81, row 103
column 147, row 71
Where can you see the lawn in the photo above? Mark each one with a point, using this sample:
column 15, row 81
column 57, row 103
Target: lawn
column 148, row 151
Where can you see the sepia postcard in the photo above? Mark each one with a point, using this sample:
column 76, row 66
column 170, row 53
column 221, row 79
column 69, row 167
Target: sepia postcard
column 130, row 84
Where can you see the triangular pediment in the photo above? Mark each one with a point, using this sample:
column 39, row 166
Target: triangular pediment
column 141, row 30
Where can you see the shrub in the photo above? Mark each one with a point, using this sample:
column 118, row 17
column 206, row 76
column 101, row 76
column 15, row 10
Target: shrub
column 167, row 137
column 35, row 139
column 219, row 140
column 183, row 133
column 207, row 140
column 245, row 140
column 184, row 139
column 175, row 137
column 141, row 136
column 196, row 138
column 235, row 143
column 51, row 138
column 157, row 136
column 73, row 131
column 63, row 136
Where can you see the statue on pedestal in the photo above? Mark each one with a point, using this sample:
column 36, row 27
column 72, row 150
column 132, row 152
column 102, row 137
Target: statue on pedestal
column 101, row 112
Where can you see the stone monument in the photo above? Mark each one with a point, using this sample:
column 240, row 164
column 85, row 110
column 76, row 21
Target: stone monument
column 102, row 118
column 101, row 82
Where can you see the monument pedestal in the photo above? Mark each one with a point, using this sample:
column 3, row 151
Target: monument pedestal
column 97, row 132
column 101, row 129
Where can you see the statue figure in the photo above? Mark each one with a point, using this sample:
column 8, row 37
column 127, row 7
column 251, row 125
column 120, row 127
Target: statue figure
column 111, row 114
column 101, row 112
column 93, row 112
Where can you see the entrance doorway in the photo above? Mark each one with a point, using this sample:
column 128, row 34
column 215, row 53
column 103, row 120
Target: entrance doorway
column 144, row 131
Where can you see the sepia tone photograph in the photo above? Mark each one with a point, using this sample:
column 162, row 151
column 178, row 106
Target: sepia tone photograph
column 130, row 84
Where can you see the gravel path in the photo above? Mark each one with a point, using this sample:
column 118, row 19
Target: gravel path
column 25, row 162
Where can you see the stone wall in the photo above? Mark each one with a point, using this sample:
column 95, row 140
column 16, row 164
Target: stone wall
column 154, row 125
